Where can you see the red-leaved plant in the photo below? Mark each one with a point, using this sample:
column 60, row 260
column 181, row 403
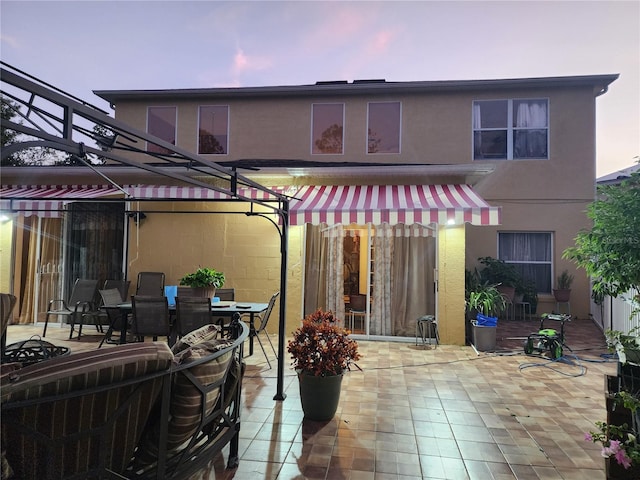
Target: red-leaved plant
column 320, row 347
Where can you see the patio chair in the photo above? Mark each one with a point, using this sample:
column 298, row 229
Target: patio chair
column 121, row 285
column 112, row 296
column 150, row 284
column 7, row 302
column 81, row 303
column 150, row 317
column 191, row 314
column 264, row 320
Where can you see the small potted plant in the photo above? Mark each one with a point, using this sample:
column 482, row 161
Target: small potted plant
column 562, row 292
column 321, row 352
column 204, row 279
column 484, row 302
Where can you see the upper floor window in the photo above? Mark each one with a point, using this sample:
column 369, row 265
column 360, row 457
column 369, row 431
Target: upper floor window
column 383, row 128
column 530, row 253
column 327, row 129
column 213, row 130
column 161, row 122
column 510, row 129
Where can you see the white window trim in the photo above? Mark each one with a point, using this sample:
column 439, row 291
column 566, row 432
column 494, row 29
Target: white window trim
column 538, row 262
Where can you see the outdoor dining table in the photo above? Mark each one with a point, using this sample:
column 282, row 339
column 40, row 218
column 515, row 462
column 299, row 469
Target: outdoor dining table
column 221, row 308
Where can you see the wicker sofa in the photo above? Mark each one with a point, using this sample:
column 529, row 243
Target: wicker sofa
column 139, row 410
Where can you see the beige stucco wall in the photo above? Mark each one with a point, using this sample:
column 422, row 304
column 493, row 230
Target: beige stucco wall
column 6, row 235
column 451, row 265
column 246, row 249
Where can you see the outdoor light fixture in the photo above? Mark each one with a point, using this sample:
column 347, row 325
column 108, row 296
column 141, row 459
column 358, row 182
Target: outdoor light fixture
column 137, row 217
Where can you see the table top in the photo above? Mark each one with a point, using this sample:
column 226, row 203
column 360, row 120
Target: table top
column 216, row 307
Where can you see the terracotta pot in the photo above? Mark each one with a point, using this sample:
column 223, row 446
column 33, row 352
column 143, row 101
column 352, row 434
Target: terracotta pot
column 562, row 295
column 206, row 292
column 509, row 292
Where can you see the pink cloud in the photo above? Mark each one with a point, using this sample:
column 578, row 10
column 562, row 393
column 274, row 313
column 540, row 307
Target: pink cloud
column 245, row 63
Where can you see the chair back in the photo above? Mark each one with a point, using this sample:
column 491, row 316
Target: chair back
column 83, row 291
column 7, row 302
column 150, row 315
column 110, row 296
column 226, row 294
column 121, row 285
column 358, row 303
column 150, row 284
column 192, row 313
column 267, row 313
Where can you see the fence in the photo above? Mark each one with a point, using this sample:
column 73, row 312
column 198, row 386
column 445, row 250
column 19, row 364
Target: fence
column 615, row 313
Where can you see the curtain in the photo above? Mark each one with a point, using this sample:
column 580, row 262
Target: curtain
column 314, row 271
column 95, row 242
column 381, row 313
column 530, row 134
column 412, row 280
column 335, row 271
column 324, row 278
column 45, row 271
column 530, row 252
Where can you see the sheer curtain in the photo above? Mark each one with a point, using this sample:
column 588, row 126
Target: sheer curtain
column 335, row 271
column 324, row 276
column 412, row 279
column 531, row 140
column 381, row 312
column 46, row 270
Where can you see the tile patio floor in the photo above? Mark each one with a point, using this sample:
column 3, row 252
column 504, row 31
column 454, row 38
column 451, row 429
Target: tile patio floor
column 425, row 413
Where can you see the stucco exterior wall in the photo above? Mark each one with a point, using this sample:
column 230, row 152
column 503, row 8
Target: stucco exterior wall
column 451, row 265
column 6, row 235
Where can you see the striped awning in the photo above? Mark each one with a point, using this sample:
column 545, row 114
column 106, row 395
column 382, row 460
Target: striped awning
column 49, row 200
column 392, row 204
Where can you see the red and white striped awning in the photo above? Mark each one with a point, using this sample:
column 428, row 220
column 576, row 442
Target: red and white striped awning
column 149, row 192
column 392, row 204
column 48, row 200
column 324, row 204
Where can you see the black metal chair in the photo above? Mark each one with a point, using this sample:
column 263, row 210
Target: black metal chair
column 121, row 285
column 264, row 320
column 81, row 303
column 110, row 298
column 150, row 317
column 7, row 302
column 150, row 284
column 191, row 314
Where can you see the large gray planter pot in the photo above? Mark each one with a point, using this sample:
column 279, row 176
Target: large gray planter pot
column 319, row 396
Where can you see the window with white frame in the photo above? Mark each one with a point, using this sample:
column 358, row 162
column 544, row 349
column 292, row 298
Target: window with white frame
column 327, row 128
column 531, row 254
column 161, row 122
column 383, row 127
column 510, row 129
column 213, row 129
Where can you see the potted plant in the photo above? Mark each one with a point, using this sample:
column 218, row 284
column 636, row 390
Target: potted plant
column 321, row 351
column 562, row 292
column 485, row 302
column 503, row 275
column 205, row 280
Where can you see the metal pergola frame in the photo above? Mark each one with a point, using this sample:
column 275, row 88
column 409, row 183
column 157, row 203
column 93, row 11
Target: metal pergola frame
column 57, row 120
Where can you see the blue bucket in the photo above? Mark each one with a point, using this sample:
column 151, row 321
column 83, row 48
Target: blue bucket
column 485, row 321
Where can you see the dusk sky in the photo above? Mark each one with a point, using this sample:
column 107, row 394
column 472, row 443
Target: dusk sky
column 81, row 46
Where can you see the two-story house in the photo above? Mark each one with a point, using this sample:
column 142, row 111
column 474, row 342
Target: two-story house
column 396, row 188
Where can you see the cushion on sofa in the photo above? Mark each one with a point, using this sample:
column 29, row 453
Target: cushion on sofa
column 202, row 334
column 186, row 398
column 56, row 420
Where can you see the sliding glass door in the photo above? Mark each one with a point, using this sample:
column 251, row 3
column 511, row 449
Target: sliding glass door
column 379, row 279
